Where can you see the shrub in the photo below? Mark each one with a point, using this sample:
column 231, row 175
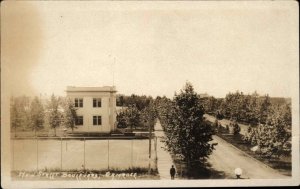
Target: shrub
column 227, row 128
column 236, row 128
column 219, row 115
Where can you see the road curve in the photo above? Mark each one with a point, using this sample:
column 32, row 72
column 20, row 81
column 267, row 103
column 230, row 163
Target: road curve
column 226, row 158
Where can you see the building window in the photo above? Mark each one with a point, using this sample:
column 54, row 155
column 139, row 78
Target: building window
column 78, row 102
column 96, row 102
column 79, row 120
column 97, row 120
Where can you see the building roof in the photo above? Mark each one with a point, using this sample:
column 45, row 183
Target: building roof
column 203, row 95
column 91, row 89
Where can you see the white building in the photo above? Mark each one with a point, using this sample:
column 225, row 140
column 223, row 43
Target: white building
column 96, row 108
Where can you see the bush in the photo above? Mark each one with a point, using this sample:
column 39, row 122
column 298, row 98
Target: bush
column 236, row 128
column 219, row 116
column 227, row 128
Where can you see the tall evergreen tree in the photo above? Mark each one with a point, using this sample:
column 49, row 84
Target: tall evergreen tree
column 54, row 114
column 37, row 115
column 265, row 106
column 187, row 132
column 70, row 115
column 19, row 113
column 15, row 117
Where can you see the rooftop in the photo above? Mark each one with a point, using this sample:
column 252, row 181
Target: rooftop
column 91, row 89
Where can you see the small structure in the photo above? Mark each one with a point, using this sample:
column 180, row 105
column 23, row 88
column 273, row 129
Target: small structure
column 203, row 95
column 96, row 108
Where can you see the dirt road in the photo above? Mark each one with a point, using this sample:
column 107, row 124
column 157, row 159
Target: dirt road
column 227, row 157
column 225, row 122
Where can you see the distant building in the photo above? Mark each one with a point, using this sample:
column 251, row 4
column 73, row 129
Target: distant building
column 203, row 95
column 96, row 108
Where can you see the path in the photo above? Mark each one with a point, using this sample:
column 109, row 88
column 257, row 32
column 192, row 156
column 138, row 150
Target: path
column 226, row 158
column 164, row 159
column 224, row 122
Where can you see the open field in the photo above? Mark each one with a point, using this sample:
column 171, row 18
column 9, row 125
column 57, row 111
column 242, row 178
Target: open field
column 31, row 154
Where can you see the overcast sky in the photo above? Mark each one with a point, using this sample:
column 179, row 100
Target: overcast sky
column 157, row 46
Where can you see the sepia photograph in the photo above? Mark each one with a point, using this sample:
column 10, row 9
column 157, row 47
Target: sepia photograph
column 149, row 94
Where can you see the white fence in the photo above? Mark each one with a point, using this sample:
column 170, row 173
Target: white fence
column 81, row 153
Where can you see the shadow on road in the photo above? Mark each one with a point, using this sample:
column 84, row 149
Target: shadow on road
column 198, row 171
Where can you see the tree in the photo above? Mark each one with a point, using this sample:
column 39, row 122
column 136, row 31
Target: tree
column 265, row 106
column 236, row 128
column 122, row 119
column 69, row 116
column 253, row 114
column 163, row 106
column 133, row 117
column 274, row 137
column 36, row 115
column 148, row 116
column 19, row 113
column 54, row 115
column 15, row 116
column 216, row 125
column 187, row 132
column 120, row 100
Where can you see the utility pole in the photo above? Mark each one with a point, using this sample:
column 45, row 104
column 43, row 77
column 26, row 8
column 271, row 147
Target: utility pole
column 108, row 154
column 84, row 153
column 13, row 154
column 61, row 153
column 131, row 153
column 150, row 134
column 37, row 154
column 114, row 71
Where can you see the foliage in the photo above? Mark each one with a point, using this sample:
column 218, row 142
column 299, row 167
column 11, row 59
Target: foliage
column 133, row 117
column 163, row 106
column 54, row 117
column 236, row 128
column 36, row 114
column 19, row 112
column 252, row 109
column 148, row 116
column 187, row 133
column 227, row 128
column 122, row 119
column 70, row 115
column 219, row 115
column 139, row 113
column 269, row 120
column 274, row 137
column 216, row 123
column 140, row 102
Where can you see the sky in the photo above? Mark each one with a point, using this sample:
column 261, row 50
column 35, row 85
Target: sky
column 150, row 48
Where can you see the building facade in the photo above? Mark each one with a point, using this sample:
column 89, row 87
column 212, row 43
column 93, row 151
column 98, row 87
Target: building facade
column 96, row 108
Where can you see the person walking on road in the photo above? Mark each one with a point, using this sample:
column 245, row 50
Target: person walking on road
column 172, row 172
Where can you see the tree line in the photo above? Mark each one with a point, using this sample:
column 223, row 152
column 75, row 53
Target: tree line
column 269, row 119
column 251, row 109
column 138, row 113
column 35, row 114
